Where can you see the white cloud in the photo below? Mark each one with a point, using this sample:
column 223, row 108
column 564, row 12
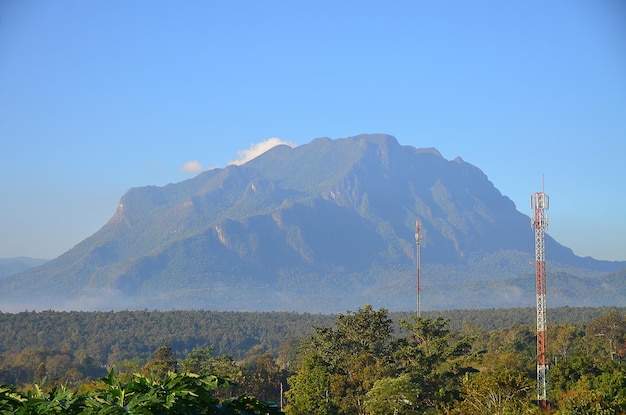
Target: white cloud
column 257, row 149
column 192, row 167
column 244, row 156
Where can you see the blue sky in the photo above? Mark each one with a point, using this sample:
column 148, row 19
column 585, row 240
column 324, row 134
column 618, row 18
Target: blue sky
column 97, row 97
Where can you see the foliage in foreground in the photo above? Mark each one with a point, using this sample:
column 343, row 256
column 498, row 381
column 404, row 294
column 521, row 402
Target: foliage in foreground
column 359, row 368
column 176, row 393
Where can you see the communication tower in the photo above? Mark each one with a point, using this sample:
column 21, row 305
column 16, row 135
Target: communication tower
column 539, row 203
column 418, row 242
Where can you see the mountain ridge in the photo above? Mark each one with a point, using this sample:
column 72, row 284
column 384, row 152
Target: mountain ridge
column 14, row 265
column 328, row 224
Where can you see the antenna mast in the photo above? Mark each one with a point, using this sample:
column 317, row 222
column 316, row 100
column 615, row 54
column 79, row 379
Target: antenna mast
column 418, row 241
column 539, row 202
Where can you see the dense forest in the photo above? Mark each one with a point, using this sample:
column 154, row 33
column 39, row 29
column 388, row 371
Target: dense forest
column 112, row 337
column 364, row 362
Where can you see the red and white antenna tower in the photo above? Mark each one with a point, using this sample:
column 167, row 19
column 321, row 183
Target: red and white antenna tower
column 418, row 242
column 539, row 202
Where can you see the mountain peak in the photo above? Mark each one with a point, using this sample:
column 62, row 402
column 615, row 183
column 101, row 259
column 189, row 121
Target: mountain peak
column 324, row 226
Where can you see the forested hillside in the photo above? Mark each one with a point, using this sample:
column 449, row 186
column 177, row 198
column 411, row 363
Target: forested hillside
column 368, row 362
column 105, row 339
column 115, row 336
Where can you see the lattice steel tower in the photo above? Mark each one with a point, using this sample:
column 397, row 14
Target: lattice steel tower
column 539, row 203
column 418, row 242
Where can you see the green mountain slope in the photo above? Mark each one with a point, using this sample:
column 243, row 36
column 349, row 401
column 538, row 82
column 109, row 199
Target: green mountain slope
column 325, row 226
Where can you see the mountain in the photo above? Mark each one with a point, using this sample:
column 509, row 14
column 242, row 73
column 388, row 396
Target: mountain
column 321, row 227
column 10, row 266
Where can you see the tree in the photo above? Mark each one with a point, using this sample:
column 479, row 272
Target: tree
column 365, row 332
column 601, row 393
column 610, row 329
column 435, row 361
column 498, row 389
column 262, row 377
column 397, row 396
column 198, row 361
column 309, row 391
column 562, row 341
column 202, row 362
column 162, row 363
column 346, row 361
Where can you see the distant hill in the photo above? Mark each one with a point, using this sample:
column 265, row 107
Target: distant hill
column 10, row 266
column 322, row 227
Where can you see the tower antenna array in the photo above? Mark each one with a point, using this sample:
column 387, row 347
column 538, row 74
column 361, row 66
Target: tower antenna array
column 539, row 203
column 418, row 242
